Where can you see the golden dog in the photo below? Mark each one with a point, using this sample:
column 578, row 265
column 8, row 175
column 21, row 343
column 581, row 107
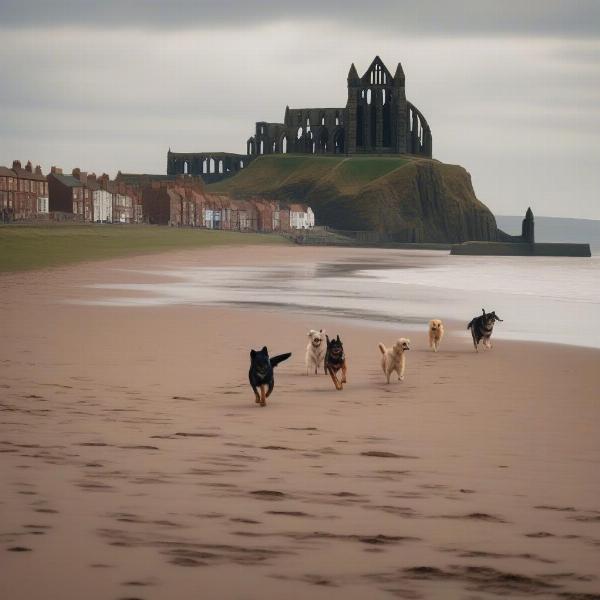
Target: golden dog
column 436, row 333
column 393, row 359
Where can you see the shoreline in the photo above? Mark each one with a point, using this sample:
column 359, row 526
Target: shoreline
column 137, row 464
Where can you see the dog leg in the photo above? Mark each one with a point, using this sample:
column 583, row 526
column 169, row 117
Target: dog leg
column 344, row 369
column 334, row 379
column 256, row 396
column 271, row 385
column 263, row 401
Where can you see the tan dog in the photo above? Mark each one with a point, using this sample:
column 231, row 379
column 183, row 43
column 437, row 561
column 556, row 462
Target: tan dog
column 436, row 333
column 393, row 358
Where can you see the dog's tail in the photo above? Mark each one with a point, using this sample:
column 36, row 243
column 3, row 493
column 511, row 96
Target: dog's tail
column 381, row 348
column 275, row 360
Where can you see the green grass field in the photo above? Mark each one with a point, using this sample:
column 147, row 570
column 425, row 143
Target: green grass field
column 24, row 247
column 274, row 172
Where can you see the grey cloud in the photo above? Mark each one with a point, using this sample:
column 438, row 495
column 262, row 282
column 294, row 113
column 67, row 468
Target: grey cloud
column 568, row 18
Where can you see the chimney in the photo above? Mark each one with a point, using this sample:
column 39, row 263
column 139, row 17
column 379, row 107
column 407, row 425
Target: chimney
column 103, row 180
column 56, row 170
column 28, row 167
column 16, row 164
column 81, row 175
column 38, row 170
column 92, row 177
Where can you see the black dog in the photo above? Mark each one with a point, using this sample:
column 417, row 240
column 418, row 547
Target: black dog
column 335, row 360
column 261, row 372
column 482, row 327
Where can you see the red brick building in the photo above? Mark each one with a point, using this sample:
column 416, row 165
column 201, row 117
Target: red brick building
column 23, row 191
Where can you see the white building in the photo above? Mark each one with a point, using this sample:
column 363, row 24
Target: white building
column 123, row 208
column 301, row 217
column 103, row 206
column 42, row 204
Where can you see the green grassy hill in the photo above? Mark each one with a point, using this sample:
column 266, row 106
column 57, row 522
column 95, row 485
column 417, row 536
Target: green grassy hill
column 402, row 197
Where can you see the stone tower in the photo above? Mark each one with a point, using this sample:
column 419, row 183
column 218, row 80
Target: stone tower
column 527, row 228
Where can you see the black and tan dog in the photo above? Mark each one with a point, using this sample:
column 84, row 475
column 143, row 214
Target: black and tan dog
column 261, row 372
column 481, row 328
column 335, row 360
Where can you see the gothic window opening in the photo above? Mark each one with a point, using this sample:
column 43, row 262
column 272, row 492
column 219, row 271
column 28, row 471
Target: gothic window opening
column 284, row 145
column 324, row 141
column 262, row 147
column 185, row 167
column 359, row 127
column 387, row 125
column 212, row 165
column 373, row 125
column 369, row 96
column 338, row 143
column 299, row 133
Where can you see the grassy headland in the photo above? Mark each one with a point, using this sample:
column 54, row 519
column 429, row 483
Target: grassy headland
column 410, row 198
column 24, row 247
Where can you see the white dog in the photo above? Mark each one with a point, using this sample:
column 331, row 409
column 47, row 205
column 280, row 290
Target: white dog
column 436, row 333
column 315, row 351
column 393, row 358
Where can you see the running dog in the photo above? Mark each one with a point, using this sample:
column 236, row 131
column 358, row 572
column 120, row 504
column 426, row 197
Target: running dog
column 335, row 360
column 261, row 372
column 436, row 333
column 315, row 350
column 481, row 328
column 393, row 358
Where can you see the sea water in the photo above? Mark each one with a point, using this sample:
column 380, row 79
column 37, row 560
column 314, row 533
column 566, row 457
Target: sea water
column 539, row 298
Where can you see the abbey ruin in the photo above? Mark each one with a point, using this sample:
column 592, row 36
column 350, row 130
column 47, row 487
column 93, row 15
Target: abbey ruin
column 377, row 119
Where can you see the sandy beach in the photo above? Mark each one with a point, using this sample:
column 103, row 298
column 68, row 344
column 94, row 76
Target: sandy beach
column 136, row 465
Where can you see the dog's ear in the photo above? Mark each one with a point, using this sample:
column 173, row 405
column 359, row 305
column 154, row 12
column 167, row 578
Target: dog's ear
column 252, row 353
column 483, row 311
column 328, row 341
column 320, row 331
column 338, row 338
column 264, row 349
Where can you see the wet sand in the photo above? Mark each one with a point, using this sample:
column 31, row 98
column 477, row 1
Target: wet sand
column 135, row 464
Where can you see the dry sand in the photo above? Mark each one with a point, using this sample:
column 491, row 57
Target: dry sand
column 135, row 464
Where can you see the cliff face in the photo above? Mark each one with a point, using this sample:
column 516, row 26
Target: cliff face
column 402, row 198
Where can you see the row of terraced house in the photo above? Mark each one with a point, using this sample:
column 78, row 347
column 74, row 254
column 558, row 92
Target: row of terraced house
column 181, row 200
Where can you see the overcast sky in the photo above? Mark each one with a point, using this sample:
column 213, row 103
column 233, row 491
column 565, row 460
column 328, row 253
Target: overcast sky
column 511, row 89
